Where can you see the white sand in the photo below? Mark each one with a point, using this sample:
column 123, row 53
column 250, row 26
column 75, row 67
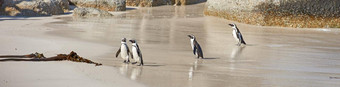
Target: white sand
column 27, row 35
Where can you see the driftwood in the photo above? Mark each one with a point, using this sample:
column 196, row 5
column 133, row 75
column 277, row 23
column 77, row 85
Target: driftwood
column 40, row 57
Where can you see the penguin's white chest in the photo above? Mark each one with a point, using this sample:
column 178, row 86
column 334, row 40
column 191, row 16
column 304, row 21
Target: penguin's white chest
column 124, row 51
column 192, row 43
column 135, row 53
column 235, row 35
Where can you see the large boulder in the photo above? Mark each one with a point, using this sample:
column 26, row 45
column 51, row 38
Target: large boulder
column 285, row 13
column 150, row 3
column 33, row 7
column 106, row 5
column 90, row 12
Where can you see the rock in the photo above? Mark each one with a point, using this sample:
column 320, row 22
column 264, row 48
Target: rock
column 33, row 7
column 1, row 2
column 150, row 3
column 187, row 2
column 106, row 5
column 285, row 13
column 90, row 12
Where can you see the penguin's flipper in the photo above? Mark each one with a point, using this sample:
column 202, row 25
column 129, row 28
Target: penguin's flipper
column 141, row 62
column 239, row 35
column 139, row 52
column 118, row 52
column 194, row 51
column 140, row 55
column 129, row 52
column 199, row 51
column 131, row 55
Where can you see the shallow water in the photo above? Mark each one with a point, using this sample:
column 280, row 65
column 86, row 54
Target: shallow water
column 272, row 57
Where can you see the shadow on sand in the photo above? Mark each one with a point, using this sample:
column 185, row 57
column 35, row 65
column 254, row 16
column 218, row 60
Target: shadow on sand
column 153, row 65
column 209, row 58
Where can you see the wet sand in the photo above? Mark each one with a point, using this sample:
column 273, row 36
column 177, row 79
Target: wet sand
column 273, row 56
column 25, row 35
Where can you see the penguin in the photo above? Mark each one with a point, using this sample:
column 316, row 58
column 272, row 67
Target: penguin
column 136, row 53
column 237, row 35
column 124, row 51
column 196, row 48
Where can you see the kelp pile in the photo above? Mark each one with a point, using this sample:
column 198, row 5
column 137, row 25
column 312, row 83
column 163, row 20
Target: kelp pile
column 72, row 56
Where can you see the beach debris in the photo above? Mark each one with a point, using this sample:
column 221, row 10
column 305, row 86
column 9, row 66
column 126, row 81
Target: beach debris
column 72, row 56
column 32, row 55
column 334, row 77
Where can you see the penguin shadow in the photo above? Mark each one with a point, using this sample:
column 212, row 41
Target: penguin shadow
column 246, row 45
column 152, row 64
column 332, row 77
column 210, row 58
column 193, row 68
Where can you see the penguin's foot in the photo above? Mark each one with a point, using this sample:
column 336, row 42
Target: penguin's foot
column 238, row 44
column 126, row 62
column 133, row 62
column 198, row 56
column 140, row 65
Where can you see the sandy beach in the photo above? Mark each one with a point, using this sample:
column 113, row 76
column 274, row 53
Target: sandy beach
column 21, row 36
column 273, row 56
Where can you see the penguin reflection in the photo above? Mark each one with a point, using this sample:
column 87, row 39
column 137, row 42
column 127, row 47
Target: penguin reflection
column 193, row 68
column 135, row 71
column 236, row 52
column 124, row 69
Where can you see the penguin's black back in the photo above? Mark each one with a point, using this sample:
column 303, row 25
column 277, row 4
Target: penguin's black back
column 198, row 50
column 240, row 36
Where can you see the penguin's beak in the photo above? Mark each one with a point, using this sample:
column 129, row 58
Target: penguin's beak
column 131, row 41
column 231, row 24
column 190, row 36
